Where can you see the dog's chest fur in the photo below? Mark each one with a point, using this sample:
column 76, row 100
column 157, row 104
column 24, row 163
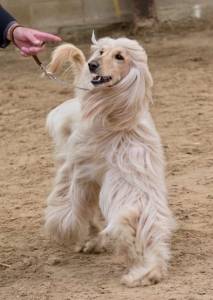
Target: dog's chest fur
column 90, row 148
column 96, row 149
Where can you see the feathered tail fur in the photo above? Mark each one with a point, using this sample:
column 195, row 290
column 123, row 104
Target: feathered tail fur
column 67, row 53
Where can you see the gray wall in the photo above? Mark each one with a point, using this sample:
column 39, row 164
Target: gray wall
column 180, row 9
column 55, row 14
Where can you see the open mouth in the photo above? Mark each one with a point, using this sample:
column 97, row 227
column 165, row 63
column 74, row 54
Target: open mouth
column 100, row 79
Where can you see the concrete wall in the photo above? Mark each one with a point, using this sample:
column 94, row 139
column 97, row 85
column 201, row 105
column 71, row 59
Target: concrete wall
column 188, row 9
column 56, row 15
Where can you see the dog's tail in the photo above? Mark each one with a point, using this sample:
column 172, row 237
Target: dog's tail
column 66, row 53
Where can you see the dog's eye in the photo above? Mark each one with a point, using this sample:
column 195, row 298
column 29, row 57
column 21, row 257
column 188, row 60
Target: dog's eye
column 101, row 52
column 119, row 56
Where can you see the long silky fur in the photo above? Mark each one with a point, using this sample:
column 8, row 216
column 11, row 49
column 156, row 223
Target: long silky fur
column 66, row 53
column 113, row 160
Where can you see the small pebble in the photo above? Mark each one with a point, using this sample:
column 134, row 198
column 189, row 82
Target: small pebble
column 53, row 261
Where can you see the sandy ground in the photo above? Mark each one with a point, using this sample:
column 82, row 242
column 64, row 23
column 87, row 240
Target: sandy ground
column 32, row 267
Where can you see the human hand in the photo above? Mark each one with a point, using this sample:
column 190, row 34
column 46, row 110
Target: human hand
column 30, row 41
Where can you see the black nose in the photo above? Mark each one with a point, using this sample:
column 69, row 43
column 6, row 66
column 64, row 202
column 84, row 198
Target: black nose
column 93, row 65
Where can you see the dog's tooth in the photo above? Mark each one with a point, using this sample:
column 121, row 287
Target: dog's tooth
column 101, row 79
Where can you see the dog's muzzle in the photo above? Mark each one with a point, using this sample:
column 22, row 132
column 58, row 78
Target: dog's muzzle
column 97, row 79
column 101, row 79
column 93, row 66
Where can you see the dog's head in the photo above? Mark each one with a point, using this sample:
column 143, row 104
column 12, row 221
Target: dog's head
column 112, row 60
column 119, row 75
column 109, row 63
column 114, row 84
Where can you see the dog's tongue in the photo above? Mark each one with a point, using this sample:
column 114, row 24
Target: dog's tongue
column 101, row 79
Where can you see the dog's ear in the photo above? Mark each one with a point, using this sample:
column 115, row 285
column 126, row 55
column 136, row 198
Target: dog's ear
column 93, row 38
column 148, row 83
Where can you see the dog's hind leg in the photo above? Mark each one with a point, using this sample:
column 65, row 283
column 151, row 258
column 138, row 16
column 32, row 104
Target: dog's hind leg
column 61, row 120
column 71, row 206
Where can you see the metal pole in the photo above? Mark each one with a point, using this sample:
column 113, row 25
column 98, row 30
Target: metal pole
column 117, row 8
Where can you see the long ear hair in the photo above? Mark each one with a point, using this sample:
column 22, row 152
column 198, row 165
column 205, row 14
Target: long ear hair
column 120, row 106
column 148, row 83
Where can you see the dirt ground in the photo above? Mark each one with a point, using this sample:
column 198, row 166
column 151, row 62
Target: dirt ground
column 32, row 267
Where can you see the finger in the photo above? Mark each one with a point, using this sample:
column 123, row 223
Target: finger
column 47, row 37
column 34, row 40
column 23, row 54
column 32, row 50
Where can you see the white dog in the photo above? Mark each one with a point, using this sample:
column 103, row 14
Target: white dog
column 110, row 157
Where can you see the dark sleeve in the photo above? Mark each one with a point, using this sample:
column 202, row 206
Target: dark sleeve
column 6, row 20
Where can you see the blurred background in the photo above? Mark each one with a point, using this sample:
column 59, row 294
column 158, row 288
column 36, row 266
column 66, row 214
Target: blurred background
column 60, row 15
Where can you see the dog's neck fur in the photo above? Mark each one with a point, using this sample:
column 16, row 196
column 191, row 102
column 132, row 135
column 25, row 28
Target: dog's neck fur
column 118, row 108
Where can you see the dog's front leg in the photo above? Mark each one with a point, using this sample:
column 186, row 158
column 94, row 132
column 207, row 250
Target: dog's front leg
column 71, row 205
column 140, row 221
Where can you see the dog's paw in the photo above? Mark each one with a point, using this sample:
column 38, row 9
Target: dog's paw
column 95, row 245
column 78, row 248
column 140, row 277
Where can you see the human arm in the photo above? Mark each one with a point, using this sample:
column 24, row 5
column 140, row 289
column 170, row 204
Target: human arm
column 6, row 21
column 29, row 41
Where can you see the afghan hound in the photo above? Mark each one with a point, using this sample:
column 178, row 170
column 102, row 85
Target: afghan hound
column 110, row 159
